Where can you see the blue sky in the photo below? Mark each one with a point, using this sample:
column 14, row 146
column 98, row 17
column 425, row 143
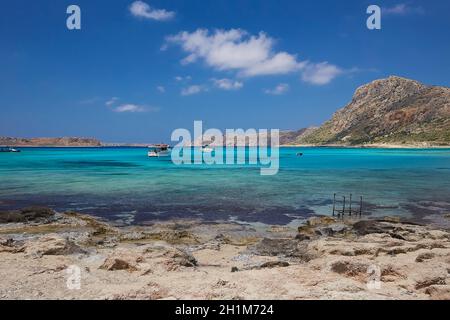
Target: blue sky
column 138, row 70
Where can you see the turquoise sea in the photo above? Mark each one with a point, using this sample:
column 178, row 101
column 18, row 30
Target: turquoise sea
column 124, row 184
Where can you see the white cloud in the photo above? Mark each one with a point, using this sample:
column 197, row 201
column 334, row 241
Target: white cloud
column 111, row 101
column 191, row 90
column 402, row 9
column 235, row 49
column 227, row 84
column 141, row 9
column 180, row 78
column 161, row 89
column 280, row 89
column 129, row 108
column 320, row 73
column 248, row 55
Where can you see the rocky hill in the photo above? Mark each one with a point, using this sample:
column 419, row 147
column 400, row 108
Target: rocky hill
column 50, row 142
column 389, row 111
column 288, row 137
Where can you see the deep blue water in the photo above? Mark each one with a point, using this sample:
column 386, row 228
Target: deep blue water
column 123, row 183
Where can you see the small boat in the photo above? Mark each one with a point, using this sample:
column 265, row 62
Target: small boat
column 207, row 149
column 299, row 154
column 159, row 150
column 8, row 149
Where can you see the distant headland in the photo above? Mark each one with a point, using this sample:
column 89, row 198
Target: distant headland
column 50, row 142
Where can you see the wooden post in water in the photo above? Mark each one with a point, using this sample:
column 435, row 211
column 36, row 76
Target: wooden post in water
column 360, row 207
column 334, row 203
column 350, row 210
column 343, row 208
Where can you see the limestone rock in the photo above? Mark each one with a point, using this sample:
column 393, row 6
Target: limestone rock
column 302, row 237
column 371, row 226
column 119, row 263
column 173, row 236
column 52, row 245
column 349, row 268
column 283, row 247
column 425, row 256
column 11, row 246
column 274, row 264
column 430, row 281
column 439, row 292
column 320, row 221
column 183, row 258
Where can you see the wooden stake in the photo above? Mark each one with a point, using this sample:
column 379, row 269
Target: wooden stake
column 334, row 203
column 343, row 207
column 360, row 207
column 350, row 211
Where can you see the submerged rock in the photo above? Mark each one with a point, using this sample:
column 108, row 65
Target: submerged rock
column 29, row 214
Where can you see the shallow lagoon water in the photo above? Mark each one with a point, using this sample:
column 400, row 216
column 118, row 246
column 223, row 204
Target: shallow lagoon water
column 124, row 184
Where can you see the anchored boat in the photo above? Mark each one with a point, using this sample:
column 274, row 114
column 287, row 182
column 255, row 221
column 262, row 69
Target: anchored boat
column 159, row 150
column 8, row 149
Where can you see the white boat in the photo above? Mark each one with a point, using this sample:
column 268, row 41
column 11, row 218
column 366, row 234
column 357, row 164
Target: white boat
column 159, row 150
column 8, row 149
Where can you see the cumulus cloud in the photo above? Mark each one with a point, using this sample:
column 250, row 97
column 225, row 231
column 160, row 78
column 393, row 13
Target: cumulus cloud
column 247, row 55
column 133, row 108
column 320, row 73
column 235, row 49
column 402, row 9
column 280, row 89
column 227, row 84
column 111, row 101
column 191, row 90
column 161, row 89
column 141, row 9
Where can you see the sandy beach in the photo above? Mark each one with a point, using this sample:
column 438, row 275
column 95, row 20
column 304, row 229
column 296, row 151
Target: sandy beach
column 41, row 252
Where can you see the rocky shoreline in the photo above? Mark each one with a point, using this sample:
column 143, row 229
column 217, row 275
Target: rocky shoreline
column 49, row 255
